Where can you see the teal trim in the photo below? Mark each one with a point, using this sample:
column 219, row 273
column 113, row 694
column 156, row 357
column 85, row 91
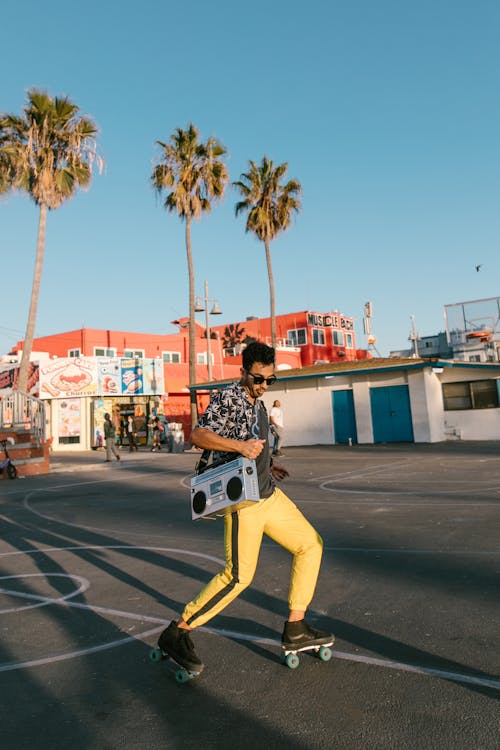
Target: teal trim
column 358, row 371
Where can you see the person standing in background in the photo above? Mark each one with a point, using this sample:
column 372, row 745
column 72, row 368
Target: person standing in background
column 276, row 420
column 157, row 433
column 131, row 433
column 109, row 436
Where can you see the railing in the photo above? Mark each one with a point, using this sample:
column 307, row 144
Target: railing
column 20, row 411
column 282, row 343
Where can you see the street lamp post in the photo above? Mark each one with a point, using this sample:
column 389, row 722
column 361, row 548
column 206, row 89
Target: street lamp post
column 214, row 311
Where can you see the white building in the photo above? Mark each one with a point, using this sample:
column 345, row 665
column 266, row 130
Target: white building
column 387, row 400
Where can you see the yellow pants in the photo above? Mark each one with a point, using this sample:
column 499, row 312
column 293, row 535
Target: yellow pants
column 280, row 519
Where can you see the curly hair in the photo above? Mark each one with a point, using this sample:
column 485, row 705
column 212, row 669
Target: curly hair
column 257, row 352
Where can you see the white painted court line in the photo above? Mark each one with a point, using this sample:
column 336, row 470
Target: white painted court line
column 160, row 624
column 82, row 652
column 387, row 663
column 42, row 601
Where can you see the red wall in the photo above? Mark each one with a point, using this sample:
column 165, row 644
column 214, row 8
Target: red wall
column 310, row 353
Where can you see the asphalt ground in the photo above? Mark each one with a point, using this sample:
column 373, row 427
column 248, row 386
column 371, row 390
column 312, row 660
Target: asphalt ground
column 95, row 558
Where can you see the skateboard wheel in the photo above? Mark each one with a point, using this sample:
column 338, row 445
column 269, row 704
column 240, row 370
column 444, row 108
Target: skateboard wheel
column 325, row 653
column 155, row 654
column 292, row 661
column 182, row 676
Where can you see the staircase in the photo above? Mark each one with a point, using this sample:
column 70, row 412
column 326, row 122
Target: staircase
column 22, row 417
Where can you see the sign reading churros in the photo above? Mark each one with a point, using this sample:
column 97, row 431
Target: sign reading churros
column 68, row 377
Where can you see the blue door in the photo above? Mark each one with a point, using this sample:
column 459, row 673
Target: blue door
column 344, row 419
column 391, row 414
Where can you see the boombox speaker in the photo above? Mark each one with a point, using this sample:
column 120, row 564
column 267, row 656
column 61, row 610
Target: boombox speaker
column 224, row 488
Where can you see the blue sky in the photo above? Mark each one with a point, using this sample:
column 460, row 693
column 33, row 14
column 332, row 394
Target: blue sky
column 387, row 112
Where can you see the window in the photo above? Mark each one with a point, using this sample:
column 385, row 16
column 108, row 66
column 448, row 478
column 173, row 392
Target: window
column 348, row 341
column 201, row 358
column 476, row 394
column 337, row 338
column 74, row 353
column 101, row 352
column 133, row 353
column 298, row 336
column 318, row 336
column 171, row 357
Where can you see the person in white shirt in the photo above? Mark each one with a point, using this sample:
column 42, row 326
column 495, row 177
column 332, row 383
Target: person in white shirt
column 276, row 420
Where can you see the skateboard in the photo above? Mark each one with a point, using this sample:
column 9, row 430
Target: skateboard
column 290, row 656
column 181, row 673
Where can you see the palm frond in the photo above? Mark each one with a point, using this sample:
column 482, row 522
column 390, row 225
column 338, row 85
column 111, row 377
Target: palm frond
column 191, row 173
column 51, row 150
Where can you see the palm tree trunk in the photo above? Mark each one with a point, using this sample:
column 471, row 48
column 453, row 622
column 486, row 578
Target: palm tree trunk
column 192, row 331
column 22, row 381
column 271, row 293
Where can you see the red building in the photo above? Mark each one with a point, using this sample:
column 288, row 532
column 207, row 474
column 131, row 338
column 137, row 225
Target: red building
column 105, row 359
column 320, row 337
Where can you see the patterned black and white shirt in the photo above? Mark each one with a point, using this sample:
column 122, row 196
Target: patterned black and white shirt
column 231, row 414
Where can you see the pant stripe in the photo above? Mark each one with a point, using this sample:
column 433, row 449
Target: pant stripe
column 234, row 572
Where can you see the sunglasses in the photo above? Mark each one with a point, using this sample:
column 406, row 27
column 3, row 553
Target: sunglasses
column 259, row 379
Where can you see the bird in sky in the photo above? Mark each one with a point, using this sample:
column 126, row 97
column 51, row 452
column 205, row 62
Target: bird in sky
column 478, row 267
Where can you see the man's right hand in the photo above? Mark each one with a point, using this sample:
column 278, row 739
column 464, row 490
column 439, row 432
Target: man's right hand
column 252, row 448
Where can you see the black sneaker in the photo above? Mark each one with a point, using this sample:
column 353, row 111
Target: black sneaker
column 176, row 643
column 298, row 635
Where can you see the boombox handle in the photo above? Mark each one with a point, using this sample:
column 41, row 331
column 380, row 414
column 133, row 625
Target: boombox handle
column 203, row 464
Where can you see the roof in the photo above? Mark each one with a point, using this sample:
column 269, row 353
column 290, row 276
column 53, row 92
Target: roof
column 339, row 369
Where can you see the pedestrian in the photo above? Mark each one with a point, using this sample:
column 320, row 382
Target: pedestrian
column 131, row 434
column 157, row 433
column 109, row 436
column 276, row 422
column 236, row 422
column 121, row 432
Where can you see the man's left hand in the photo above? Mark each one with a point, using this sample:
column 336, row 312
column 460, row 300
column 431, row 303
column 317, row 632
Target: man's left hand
column 279, row 472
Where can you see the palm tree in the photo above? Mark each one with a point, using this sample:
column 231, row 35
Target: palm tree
column 5, row 170
column 270, row 206
column 192, row 175
column 233, row 335
column 47, row 153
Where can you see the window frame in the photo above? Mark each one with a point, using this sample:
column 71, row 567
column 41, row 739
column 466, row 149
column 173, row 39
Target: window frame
column 202, row 359
column 171, row 361
column 295, row 333
column 321, row 335
column 474, row 395
column 340, row 334
column 111, row 352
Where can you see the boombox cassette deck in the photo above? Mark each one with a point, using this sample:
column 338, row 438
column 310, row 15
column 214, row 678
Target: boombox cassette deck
column 230, row 486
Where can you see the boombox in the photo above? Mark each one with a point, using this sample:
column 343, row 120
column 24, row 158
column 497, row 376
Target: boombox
column 224, row 488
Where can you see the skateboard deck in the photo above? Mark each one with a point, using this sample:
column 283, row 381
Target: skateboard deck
column 182, row 674
column 290, row 656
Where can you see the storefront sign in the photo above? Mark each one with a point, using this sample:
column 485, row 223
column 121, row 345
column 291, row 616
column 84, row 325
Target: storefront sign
column 69, row 419
column 65, row 377
column 101, row 376
column 330, row 320
column 109, row 376
column 10, row 373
